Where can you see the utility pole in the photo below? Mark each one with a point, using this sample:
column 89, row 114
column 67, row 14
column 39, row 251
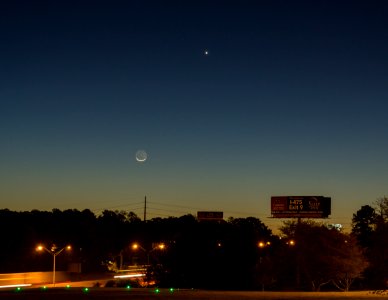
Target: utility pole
column 145, row 208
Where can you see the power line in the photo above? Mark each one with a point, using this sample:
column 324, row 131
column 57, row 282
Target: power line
column 117, row 206
column 198, row 208
column 171, row 210
column 174, row 205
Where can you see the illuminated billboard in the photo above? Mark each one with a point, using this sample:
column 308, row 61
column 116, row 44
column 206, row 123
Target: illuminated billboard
column 300, row 207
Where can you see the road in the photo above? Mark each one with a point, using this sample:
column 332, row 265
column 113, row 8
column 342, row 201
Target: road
column 77, row 293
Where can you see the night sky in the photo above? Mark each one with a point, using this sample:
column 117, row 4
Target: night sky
column 290, row 99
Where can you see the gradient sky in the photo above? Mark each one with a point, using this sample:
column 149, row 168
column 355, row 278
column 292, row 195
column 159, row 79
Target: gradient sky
column 292, row 99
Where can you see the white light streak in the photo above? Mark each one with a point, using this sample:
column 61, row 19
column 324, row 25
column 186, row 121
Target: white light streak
column 129, row 276
column 15, row 285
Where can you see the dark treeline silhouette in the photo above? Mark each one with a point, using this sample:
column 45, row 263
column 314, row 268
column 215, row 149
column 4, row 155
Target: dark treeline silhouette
column 370, row 227
column 240, row 253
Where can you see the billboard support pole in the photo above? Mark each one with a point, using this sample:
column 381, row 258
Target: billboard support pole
column 297, row 253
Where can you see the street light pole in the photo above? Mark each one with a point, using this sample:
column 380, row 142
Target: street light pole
column 54, row 253
column 54, row 256
column 160, row 246
column 263, row 269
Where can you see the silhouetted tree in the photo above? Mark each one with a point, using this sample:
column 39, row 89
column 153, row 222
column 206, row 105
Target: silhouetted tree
column 382, row 208
column 199, row 254
column 379, row 248
column 350, row 261
column 324, row 256
column 370, row 226
column 363, row 225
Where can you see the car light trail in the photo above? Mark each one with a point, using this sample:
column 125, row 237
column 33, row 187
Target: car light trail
column 14, row 285
column 129, row 276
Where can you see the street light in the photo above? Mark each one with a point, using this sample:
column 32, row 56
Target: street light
column 159, row 246
column 54, row 252
column 263, row 268
column 136, row 246
column 263, row 244
column 291, row 243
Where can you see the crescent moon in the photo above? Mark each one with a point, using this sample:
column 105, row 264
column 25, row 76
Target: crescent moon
column 141, row 156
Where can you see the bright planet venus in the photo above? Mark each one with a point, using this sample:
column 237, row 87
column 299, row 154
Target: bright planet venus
column 141, row 156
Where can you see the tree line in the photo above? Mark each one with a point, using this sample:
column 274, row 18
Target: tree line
column 239, row 253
